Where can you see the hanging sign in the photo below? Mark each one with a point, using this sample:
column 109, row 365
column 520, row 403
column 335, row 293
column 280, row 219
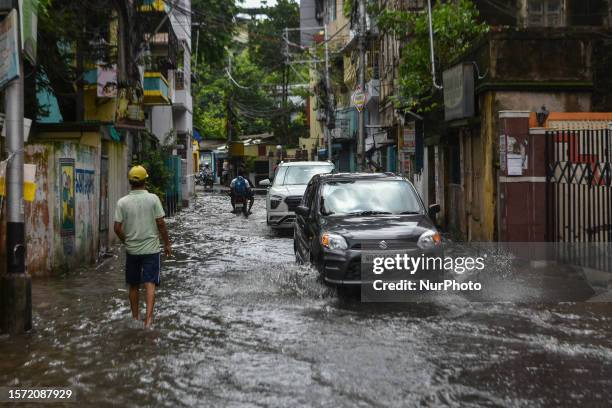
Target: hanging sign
column 107, row 82
column 29, row 28
column 359, row 99
column 409, row 137
column 9, row 49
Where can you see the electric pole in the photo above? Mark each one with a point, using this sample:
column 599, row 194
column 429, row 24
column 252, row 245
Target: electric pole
column 362, row 56
column 285, row 90
column 330, row 106
column 16, row 285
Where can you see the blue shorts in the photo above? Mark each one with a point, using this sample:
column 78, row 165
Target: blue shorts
column 141, row 269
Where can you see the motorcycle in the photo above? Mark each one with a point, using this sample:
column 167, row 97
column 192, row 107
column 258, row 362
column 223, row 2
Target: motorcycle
column 241, row 205
column 208, row 181
column 199, row 180
column 203, row 179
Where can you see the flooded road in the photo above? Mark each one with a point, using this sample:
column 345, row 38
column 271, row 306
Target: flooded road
column 239, row 324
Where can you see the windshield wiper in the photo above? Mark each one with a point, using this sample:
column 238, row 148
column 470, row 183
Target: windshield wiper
column 410, row 212
column 369, row 213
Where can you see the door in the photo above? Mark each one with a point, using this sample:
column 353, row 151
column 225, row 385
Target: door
column 302, row 224
column 103, row 220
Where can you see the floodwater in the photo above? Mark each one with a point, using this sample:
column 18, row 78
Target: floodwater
column 239, row 324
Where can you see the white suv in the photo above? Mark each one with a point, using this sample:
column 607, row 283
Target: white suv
column 286, row 192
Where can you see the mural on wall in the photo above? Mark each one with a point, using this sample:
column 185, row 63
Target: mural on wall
column 84, row 182
column 67, row 216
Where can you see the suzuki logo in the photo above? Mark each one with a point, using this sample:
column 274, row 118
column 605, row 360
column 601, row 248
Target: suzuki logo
column 382, row 245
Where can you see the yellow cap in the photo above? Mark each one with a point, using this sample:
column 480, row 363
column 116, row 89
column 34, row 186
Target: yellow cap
column 138, row 173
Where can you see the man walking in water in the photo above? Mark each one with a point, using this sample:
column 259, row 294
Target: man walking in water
column 139, row 221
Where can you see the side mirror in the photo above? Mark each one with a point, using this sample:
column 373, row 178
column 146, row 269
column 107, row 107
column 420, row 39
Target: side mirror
column 302, row 210
column 433, row 210
column 265, row 183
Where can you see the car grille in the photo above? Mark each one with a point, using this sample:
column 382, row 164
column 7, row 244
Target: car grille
column 293, row 202
column 391, row 244
column 353, row 272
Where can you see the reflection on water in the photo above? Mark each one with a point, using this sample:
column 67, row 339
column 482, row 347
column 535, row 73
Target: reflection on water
column 239, row 324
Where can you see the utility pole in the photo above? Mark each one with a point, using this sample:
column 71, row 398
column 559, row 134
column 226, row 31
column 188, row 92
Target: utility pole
column 362, row 56
column 285, row 88
column 328, row 88
column 16, row 285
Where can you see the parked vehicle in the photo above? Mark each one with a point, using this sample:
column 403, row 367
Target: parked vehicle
column 341, row 214
column 286, row 191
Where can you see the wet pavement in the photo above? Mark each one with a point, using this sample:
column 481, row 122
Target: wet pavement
column 239, row 324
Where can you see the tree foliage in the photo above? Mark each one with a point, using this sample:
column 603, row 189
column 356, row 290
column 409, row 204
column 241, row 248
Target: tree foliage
column 250, row 101
column 213, row 28
column 266, row 43
column 455, row 26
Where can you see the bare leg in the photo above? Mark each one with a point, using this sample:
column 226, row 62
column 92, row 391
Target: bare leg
column 134, row 300
column 150, row 287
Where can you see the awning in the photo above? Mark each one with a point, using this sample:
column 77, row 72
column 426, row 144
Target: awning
column 111, row 132
column 114, row 134
column 196, row 135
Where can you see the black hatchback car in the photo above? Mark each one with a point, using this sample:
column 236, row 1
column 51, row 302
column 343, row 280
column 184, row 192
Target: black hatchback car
column 343, row 214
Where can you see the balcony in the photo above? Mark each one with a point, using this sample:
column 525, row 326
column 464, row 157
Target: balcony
column 346, row 125
column 154, row 6
column 156, row 90
column 181, row 99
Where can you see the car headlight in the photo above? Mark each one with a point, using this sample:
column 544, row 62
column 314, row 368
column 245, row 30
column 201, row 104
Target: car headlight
column 275, row 201
column 333, row 241
column 429, row 240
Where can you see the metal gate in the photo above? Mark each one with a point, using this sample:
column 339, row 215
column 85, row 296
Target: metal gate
column 579, row 196
column 579, row 177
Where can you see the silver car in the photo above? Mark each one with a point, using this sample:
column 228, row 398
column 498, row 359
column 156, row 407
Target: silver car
column 286, row 191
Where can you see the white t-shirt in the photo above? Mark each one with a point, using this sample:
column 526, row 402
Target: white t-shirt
column 138, row 212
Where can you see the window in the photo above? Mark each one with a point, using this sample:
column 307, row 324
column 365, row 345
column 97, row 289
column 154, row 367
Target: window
column 367, row 196
column 545, row 13
column 586, row 12
column 331, row 10
column 300, row 175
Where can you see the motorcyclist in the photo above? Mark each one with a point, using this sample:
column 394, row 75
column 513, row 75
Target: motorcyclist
column 207, row 171
column 206, row 175
column 249, row 193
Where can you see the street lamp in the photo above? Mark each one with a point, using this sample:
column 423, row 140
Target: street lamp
column 280, row 151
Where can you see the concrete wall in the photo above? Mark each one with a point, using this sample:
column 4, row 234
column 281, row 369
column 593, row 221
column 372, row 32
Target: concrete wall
column 307, row 20
column 62, row 223
column 118, row 184
column 161, row 121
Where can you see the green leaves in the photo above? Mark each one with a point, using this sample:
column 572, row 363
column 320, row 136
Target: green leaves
column 455, row 27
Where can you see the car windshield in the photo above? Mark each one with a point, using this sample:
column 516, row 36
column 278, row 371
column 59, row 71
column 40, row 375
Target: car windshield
column 299, row 175
column 369, row 197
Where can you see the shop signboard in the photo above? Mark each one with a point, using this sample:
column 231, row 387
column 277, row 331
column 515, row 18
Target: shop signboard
column 9, row 49
column 458, row 92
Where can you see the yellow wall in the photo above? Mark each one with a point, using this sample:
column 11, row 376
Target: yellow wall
column 101, row 109
column 236, row 149
column 481, row 189
column 316, row 129
column 196, row 156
